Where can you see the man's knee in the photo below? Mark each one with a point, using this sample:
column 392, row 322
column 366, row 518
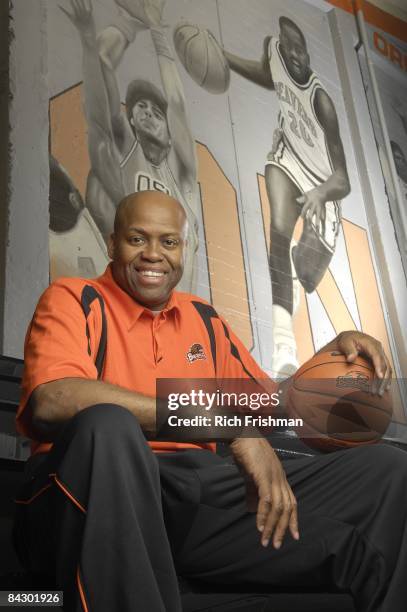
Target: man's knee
column 386, row 458
column 105, row 417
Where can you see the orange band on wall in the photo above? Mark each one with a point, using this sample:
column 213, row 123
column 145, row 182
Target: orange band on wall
column 375, row 16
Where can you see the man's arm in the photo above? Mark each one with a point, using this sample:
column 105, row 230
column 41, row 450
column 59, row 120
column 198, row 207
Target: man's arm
column 276, row 505
column 112, row 44
column 256, row 71
column 52, row 404
column 182, row 141
column 102, row 152
column 337, row 185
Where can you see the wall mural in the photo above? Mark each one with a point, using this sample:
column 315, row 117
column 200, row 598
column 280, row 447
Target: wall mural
column 235, row 108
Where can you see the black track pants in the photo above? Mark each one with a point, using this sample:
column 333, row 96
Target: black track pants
column 116, row 523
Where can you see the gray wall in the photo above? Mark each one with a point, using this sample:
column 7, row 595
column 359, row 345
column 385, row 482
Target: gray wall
column 25, row 257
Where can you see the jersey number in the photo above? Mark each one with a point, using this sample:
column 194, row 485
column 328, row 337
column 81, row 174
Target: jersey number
column 297, row 126
column 144, row 182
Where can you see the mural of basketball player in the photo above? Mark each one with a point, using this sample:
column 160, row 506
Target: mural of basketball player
column 305, row 175
column 148, row 147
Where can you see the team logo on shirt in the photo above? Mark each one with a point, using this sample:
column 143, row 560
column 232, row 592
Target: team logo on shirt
column 196, row 352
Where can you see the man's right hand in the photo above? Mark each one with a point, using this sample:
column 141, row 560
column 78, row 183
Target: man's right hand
column 82, row 18
column 276, row 503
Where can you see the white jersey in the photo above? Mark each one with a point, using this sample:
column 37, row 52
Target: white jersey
column 139, row 174
column 301, row 130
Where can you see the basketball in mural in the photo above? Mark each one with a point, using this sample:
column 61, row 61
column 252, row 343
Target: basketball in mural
column 335, row 400
column 202, row 57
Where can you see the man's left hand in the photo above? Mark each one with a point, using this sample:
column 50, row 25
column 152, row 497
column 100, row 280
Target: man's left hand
column 354, row 343
column 313, row 208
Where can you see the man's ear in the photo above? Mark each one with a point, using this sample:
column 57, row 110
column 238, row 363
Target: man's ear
column 110, row 246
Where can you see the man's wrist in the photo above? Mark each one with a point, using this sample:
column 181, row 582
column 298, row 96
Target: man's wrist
column 160, row 42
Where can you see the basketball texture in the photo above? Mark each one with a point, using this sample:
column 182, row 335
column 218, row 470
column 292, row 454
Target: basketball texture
column 334, row 400
column 202, row 57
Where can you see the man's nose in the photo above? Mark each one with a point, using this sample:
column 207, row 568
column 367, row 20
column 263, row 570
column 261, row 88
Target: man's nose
column 152, row 251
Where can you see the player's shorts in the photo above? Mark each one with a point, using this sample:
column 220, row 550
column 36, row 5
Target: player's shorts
column 282, row 157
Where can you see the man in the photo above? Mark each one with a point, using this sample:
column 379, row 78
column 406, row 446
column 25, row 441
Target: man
column 305, row 175
column 148, row 147
column 114, row 521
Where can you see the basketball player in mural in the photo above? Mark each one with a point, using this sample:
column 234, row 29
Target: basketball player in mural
column 147, row 147
column 305, row 175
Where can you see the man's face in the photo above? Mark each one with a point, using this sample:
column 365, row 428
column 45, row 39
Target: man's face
column 294, row 53
column 148, row 247
column 149, row 120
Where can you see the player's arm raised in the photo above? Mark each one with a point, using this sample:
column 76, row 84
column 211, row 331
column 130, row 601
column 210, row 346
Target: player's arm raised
column 256, row 71
column 337, row 186
column 113, row 42
column 182, row 141
column 100, row 139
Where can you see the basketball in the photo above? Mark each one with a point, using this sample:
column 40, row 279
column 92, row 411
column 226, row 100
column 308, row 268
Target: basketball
column 333, row 399
column 202, row 57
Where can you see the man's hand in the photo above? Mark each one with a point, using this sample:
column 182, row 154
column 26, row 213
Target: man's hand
column 267, row 489
column 277, row 138
column 82, row 18
column 313, row 205
column 354, row 343
column 148, row 12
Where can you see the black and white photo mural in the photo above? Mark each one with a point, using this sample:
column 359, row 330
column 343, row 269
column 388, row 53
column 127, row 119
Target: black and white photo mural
column 235, row 108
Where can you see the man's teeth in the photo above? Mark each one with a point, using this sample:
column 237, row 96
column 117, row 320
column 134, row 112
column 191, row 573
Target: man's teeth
column 151, row 273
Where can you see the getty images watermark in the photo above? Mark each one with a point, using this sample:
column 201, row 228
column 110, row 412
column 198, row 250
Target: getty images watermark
column 207, row 409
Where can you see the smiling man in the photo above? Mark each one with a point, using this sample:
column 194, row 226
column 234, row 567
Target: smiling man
column 148, row 250
column 114, row 520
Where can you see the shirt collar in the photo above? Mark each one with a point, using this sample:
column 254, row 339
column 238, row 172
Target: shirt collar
column 129, row 309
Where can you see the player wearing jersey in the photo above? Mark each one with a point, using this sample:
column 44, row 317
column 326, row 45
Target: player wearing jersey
column 305, row 175
column 149, row 146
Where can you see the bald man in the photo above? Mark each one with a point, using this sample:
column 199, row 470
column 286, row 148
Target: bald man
column 115, row 518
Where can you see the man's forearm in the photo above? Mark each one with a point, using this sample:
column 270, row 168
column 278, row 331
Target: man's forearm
column 54, row 403
column 249, row 69
column 336, row 187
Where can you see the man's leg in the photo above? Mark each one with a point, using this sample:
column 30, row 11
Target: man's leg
column 284, row 212
column 352, row 508
column 94, row 516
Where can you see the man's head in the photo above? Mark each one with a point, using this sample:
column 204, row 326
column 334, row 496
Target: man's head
column 294, row 50
column 147, row 247
column 146, row 110
column 399, row 160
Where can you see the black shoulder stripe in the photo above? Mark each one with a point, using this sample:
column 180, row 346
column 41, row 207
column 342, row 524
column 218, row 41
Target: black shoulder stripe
column 235, row 352
column 207, row 313
column 89, row 294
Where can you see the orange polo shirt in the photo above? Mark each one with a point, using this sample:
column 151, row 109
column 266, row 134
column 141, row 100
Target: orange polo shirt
column 140, row 347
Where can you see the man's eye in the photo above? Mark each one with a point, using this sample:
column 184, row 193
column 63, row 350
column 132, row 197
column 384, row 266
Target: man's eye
column 171, row 242
column 135, row 240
